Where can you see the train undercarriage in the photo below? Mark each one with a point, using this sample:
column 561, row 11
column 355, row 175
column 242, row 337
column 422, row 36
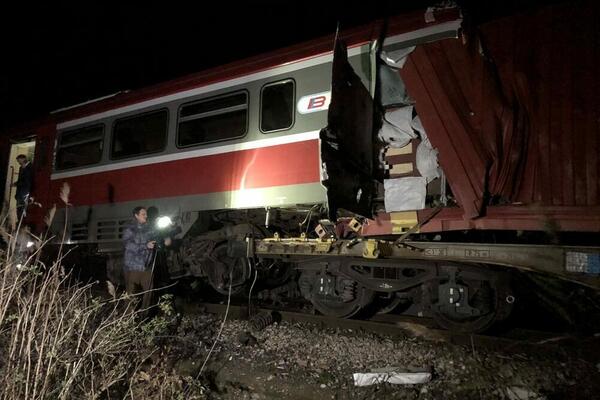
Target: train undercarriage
column 462, row 286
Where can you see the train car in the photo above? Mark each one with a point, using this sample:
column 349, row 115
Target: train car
column 413, row 127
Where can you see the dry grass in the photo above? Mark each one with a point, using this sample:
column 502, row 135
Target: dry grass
column 60, row 341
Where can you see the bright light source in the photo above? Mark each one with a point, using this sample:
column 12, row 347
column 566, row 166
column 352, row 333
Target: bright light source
column 29, row 244
column 163, row 222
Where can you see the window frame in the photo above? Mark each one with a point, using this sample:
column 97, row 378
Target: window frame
column 260, row 113
column 212, row 113
column 59, row 145
column 112, row 134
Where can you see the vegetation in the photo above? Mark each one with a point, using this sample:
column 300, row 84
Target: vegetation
column 62, row 339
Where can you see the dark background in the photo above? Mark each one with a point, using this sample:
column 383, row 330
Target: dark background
column 56, row 54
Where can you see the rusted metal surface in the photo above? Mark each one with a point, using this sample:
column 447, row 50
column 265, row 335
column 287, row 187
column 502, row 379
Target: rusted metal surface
column 513, row 110
column 530, row 217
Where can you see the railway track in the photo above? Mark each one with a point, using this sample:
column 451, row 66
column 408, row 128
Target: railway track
column 514, row 340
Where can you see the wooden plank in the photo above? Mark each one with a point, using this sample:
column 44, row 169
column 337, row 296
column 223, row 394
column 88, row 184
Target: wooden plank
column 395, row 151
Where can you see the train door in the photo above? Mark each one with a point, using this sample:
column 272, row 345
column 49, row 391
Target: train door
column 26, row 147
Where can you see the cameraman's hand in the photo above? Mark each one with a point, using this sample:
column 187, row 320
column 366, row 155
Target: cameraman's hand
column 151, row 244
column 168, row 241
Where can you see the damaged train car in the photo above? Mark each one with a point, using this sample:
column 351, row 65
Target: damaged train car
column 410, row 164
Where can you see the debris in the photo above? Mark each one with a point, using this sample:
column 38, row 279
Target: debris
column 111, row 289
column 247, row 339
column 405, row 194
column 554, row 339
column 402, row 118
column 143, row 376
column 392, row 88
column 261, row 321
column 519, row 393
column 393, row 135
column 396, row 58
column 427, row 156
column 392, row 375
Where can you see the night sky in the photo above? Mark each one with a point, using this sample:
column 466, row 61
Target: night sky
column 55, row 55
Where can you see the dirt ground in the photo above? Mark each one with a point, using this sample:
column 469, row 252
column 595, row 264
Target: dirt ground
column 299, row 361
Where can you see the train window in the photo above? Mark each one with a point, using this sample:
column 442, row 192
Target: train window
column 80, row 147
column 140, row 134
column 277, row 106
column 211, row 120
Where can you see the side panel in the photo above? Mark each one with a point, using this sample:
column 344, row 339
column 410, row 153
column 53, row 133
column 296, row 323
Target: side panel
column 282, row 165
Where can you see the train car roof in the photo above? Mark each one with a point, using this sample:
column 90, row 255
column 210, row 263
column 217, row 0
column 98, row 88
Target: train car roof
column 299, row 52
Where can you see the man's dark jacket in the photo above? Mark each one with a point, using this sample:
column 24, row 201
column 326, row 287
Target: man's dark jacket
column 135, row 238
column 24, row 183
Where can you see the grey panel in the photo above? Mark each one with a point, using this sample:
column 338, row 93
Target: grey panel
column 309, row 80
column 102, row 221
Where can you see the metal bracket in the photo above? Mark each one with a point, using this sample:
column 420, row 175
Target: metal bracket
column 371, row 249
column 355, row 225
column 325, row 230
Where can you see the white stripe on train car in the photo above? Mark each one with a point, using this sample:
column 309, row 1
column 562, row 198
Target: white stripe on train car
column 278, row 70
column 180, row 155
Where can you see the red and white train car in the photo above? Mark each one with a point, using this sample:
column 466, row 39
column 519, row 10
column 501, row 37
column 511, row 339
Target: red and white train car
column 415, row 124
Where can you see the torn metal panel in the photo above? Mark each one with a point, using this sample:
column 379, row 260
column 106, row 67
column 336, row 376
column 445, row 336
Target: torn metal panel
column 391, row 89
column 513, row 111
column 462, row 155
column 396, row 58
column 347, row 143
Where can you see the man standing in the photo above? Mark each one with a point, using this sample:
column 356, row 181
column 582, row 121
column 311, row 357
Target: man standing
column 139, row 252
column 23, row 184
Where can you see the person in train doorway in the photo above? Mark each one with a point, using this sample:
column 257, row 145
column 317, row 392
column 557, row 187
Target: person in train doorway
column 24, row 184
column 140, row 256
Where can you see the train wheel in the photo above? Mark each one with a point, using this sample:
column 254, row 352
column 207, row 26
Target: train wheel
column 469, row 306
column 276, row 273
column 337, row 296
column 388, row 305
column 224, row 271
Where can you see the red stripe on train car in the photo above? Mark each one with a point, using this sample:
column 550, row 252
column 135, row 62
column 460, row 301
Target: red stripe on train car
column 288, row 164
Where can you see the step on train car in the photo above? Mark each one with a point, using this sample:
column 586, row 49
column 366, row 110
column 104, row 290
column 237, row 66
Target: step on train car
column 410, row 164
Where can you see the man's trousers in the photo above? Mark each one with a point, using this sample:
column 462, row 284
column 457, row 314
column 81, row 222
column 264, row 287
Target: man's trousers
column 140, row 282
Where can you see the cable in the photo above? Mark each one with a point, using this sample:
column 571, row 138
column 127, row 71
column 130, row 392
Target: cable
column 307, row 219
column 220, row 329
column 252, row 286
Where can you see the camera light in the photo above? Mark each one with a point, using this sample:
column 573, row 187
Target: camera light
column 163, row 222
column 29, row 244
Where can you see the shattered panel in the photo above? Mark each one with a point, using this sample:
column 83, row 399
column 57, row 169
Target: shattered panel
column 347, row 142
column 513, row 110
